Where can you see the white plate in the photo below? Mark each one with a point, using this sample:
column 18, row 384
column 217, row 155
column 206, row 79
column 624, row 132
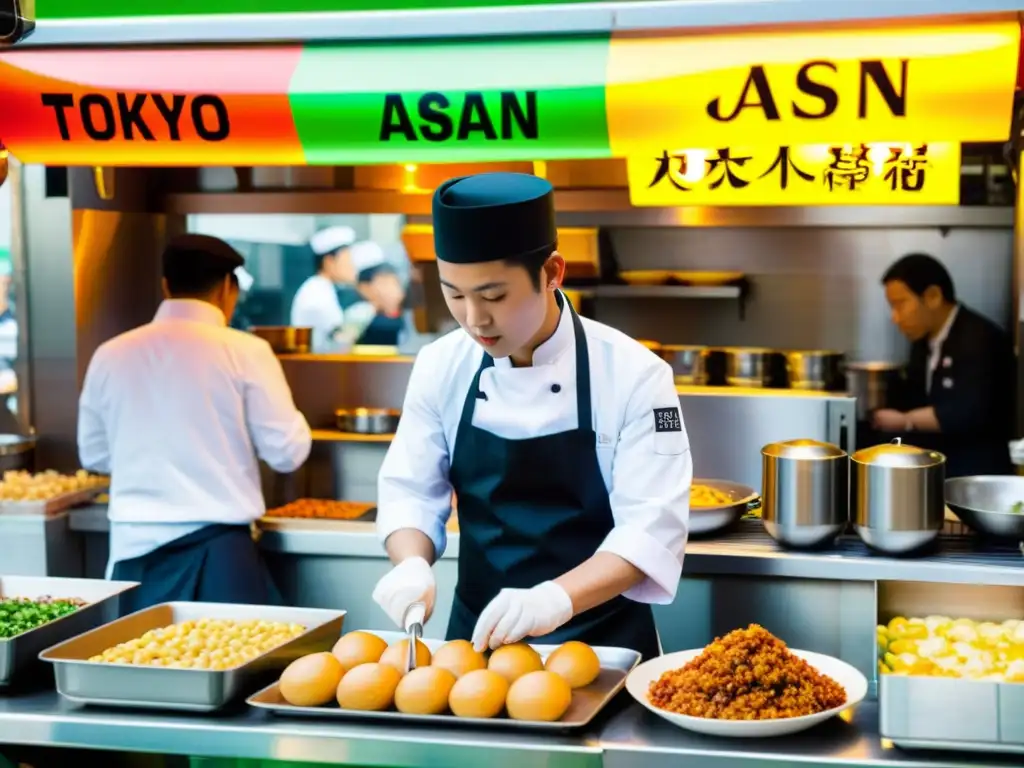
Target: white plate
column 639, row 682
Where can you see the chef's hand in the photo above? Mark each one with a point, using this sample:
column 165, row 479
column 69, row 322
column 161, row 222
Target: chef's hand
column 411, row 581
column 889, row 420
column 518, row 613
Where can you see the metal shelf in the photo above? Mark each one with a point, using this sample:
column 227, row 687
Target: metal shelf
column 662, row 291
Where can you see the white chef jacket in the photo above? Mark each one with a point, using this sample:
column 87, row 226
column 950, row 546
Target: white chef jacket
column 647, row 473
column 177, row 411
column 316, row 306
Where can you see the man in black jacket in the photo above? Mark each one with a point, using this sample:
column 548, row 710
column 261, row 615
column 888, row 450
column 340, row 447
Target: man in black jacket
column 958, row 393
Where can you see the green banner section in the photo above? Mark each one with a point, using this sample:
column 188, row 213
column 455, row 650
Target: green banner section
column 78, row 9
column 452, row 102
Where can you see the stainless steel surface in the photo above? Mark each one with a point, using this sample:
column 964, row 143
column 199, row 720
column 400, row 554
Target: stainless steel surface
column 368, row 421
column 871, row 383
column 815, row 370
column 102, row 605
column 985, row 504
column 804, row 492
column 746, row 367
column 689, row 363
column 897, row 496
column 587, row 703
column 473, row 22
column 87, row 682
column 284, row 339
column 17, row 452
column 705, row 520
column 244, row 733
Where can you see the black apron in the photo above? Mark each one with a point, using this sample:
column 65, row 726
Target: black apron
column 216, row 564
column 531, row 510
column 382, row 331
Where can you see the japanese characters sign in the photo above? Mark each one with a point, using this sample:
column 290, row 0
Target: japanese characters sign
column 861, row 174
column 926, row 83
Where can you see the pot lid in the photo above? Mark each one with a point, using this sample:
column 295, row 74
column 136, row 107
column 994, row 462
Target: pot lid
column 896, row 454
column 802, row 449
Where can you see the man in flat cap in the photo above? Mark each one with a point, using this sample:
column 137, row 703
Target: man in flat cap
column 177, row 412
column 562, row 439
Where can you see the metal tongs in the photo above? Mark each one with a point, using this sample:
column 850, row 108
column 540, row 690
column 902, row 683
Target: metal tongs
column 414, row 616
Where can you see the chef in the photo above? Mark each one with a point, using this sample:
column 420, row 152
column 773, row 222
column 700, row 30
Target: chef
column 958, row 394
column 177, row 412
column 562, row 439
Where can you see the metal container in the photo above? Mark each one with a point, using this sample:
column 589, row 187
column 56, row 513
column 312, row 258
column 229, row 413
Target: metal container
column 587, row 703
column 102, row 598
column 987, row 503
column 17, row 452
column 815, row 370
column 124, row 685
column 285, row 339
column 898, row 496
column 688, row 364
column 367, row 421
column 804, row 494
column 871, row 384
column 748, row 367
column 707, row 520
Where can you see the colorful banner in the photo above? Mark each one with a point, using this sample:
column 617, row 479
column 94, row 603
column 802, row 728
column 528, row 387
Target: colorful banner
column 925, row 83
column 876, row 174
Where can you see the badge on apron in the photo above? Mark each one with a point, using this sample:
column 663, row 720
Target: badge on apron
column 947, row 362
column 947, row 383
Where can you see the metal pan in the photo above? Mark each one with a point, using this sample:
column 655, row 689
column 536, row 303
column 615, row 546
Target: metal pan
column 368, row 421
column 195, row 690
column 616, row 664
column 984, row 503
column 102, row 603
column 707, row 520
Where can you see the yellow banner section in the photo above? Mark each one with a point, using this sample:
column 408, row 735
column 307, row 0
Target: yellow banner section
column 861, row 174
column 926, row 83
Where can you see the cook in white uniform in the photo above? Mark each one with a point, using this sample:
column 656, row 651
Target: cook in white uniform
column 177, row 412
column 562, row 438
column 329, row 302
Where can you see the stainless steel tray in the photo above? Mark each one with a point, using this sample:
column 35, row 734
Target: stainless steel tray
column 52, row 506
column 616, row 664
column 196, row 690
column 103, row 603
column 951, row 714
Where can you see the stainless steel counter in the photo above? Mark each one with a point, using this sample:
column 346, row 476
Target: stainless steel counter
column 630, row 738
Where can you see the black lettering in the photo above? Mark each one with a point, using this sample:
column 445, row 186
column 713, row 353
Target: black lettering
column 512, row 111
column 222, row 128
column 827, row 94
column 474, row 117
column 131, row 116
column 758, row 80
column 396, row 119
column 431, row 108
column 109, row 128
column 895, row 99
column 171, row 113
column 59, row 103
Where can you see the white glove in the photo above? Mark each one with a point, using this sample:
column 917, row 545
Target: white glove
column 411, row 581
column 518, row 613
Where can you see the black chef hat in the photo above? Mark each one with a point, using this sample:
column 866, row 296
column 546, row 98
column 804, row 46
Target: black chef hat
column 193, row 264
column 493, row 216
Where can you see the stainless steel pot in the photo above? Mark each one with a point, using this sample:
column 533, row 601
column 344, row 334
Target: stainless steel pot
column 367, row 421
column 804, row 492
column 815, row 370
column 17, row 452
column 871, row 384
column 285, row 339
column 898, row 497
column 748, row 367
column 689, row 364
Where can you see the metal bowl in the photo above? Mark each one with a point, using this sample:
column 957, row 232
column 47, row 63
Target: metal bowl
column 705, row 520
column 368, row 421
column 984, row 503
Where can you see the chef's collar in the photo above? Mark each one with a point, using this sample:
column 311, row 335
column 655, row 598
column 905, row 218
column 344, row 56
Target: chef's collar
column 196, row 310
column 559, row 341
column 939, row 339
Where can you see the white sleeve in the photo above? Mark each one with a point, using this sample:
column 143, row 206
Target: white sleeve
column 315, row 307
column 93, row 446
column 279, row 431
column 413, row 489
column 650, row 496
